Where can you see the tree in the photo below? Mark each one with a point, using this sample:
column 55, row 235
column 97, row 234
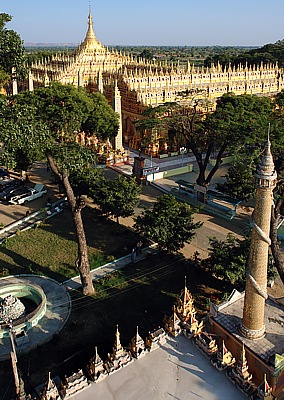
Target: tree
column 237, row 121
column 147, row 54
column 11, row 51
column 239, row 183
column 169, row 223
column 102, row 121
column 83, row 180
column 227, row 260
column 59, row 112
column 117, row 197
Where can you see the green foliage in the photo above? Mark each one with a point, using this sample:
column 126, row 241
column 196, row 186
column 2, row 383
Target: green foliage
column 269, row 53
column 169, row 223
column 47, row 120
column 117, row 197
column 22, row 135
column 227, row 260
column 247, row 152
column 63, row 108
column 239, row 182
column 147, row 54
column 102, row 120
column 11, row 49
column 83, row 179
column 237, row 121
column 99, row 259
column 4, row 77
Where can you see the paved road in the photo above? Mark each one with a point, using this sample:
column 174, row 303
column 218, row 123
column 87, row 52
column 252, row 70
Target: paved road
column 213, row 226
column 10, row 213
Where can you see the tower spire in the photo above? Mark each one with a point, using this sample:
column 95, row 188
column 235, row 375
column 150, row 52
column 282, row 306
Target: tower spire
column 90, row 35
column 255, row 295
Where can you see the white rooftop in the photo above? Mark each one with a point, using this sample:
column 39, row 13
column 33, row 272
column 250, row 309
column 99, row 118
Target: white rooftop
column 178, row 370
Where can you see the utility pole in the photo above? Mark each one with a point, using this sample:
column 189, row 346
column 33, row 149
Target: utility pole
column 19, row 384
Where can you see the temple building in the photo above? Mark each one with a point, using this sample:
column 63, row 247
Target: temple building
column 142, row 83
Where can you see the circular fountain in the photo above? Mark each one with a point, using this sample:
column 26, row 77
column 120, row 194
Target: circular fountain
column 13, row 311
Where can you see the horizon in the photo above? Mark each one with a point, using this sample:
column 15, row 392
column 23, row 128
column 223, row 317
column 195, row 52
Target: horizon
column 148, row 25
column 54, row 44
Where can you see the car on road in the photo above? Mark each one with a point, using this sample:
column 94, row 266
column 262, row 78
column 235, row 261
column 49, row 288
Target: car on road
column 31, row 194
column 13, row 192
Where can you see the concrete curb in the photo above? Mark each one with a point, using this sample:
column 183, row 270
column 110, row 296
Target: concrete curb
column 109, row 268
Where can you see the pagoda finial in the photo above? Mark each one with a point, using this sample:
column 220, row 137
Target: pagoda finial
column 117, row 337
column 185, row 294
column 266, row 167
column 90, row 36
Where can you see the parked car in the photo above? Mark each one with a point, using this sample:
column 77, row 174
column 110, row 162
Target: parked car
column 7, row 195
column 6, row 188
column 4, row 173
column 8, row 183
column 31, row 194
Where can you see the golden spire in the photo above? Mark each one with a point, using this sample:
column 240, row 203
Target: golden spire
column 90, row 36
column 117, row 344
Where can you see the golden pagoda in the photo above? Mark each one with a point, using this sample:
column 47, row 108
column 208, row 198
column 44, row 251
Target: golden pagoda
column 143, row 83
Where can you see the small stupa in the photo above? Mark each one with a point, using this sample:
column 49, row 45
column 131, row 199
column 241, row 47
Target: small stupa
column 119, row 356
column 172, row 323
column 95, row 368
column 185, row 308
column 49, row 390
column 155, row 339
column 240, row 375
column 137, row 346
column 207, row 344
column 224, row 358
column 263, row 392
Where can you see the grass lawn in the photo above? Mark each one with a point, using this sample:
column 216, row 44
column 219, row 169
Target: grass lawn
column 51, row 248
column 139, row 295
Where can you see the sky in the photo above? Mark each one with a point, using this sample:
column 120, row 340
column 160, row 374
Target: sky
column 149, row 22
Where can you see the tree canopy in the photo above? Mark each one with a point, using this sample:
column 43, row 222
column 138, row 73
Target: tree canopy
column 11, row 51
column 117, row 197
column 228, row 258
column 44, row 123
column 237, row 121
column 169, row 223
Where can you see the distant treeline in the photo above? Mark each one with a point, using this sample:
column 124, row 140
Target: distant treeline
column 205, row 55
column 39, row 53
column 269, row 53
